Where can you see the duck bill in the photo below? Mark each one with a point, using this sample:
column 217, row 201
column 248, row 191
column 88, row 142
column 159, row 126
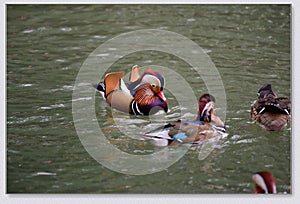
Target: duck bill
column 164, row 102
column 162, row 96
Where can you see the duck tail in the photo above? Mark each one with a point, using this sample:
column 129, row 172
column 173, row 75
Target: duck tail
column 100, row 88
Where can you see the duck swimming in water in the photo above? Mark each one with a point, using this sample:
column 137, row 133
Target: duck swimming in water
column 206, row 126
column 143, row 95
column 270, row 111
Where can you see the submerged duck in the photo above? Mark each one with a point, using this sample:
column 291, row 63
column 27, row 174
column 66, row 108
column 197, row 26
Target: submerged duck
column 269, row 110
column 264, row 182
column 143, row 95
column 206, row 126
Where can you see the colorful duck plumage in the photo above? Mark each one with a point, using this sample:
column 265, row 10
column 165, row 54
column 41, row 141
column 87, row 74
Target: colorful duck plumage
column 206, row 126
column 154, row 78
column 270, row 111
column 142, row 96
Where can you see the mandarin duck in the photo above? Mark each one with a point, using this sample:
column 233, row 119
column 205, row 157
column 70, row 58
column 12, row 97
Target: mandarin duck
column 264, row 182
column 143, row 95
column 270, row 111
column 206, row 126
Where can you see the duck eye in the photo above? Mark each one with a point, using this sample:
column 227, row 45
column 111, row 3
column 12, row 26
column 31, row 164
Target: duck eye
column 153, row 85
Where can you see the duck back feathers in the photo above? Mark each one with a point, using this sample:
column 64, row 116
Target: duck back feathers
column 270, row 111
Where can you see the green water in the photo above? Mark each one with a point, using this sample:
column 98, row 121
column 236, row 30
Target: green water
column 46, row 47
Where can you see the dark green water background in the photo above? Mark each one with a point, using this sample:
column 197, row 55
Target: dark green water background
column 46, row 46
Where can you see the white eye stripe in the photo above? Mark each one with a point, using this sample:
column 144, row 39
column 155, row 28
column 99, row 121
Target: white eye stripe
column 151, row 79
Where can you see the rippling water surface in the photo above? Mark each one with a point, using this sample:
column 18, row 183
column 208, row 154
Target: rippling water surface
column 47, row 45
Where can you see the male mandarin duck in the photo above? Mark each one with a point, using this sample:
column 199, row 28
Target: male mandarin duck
column 206, row 126
column 142, row 96
column 264, row 182
column 269, row 110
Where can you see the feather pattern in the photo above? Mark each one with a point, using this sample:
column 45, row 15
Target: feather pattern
column 145, row 96
column 271, row 111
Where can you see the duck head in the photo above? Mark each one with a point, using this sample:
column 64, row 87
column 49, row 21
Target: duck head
column 151, row 98
column 206, row 104
column 149, row 91
column 156, row 81
column 264, row 182
column 266, row 91
column 154, row 78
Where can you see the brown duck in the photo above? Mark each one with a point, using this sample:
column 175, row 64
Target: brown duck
column 143, row 95
column 206, row 126
column 270, row 111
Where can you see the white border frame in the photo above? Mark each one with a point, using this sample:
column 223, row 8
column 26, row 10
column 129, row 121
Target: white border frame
column 145, row 198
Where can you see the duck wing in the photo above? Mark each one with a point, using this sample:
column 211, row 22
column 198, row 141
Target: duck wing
column 194, row 132
column 272, row 113
column 273, row 121
column 276, row 105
